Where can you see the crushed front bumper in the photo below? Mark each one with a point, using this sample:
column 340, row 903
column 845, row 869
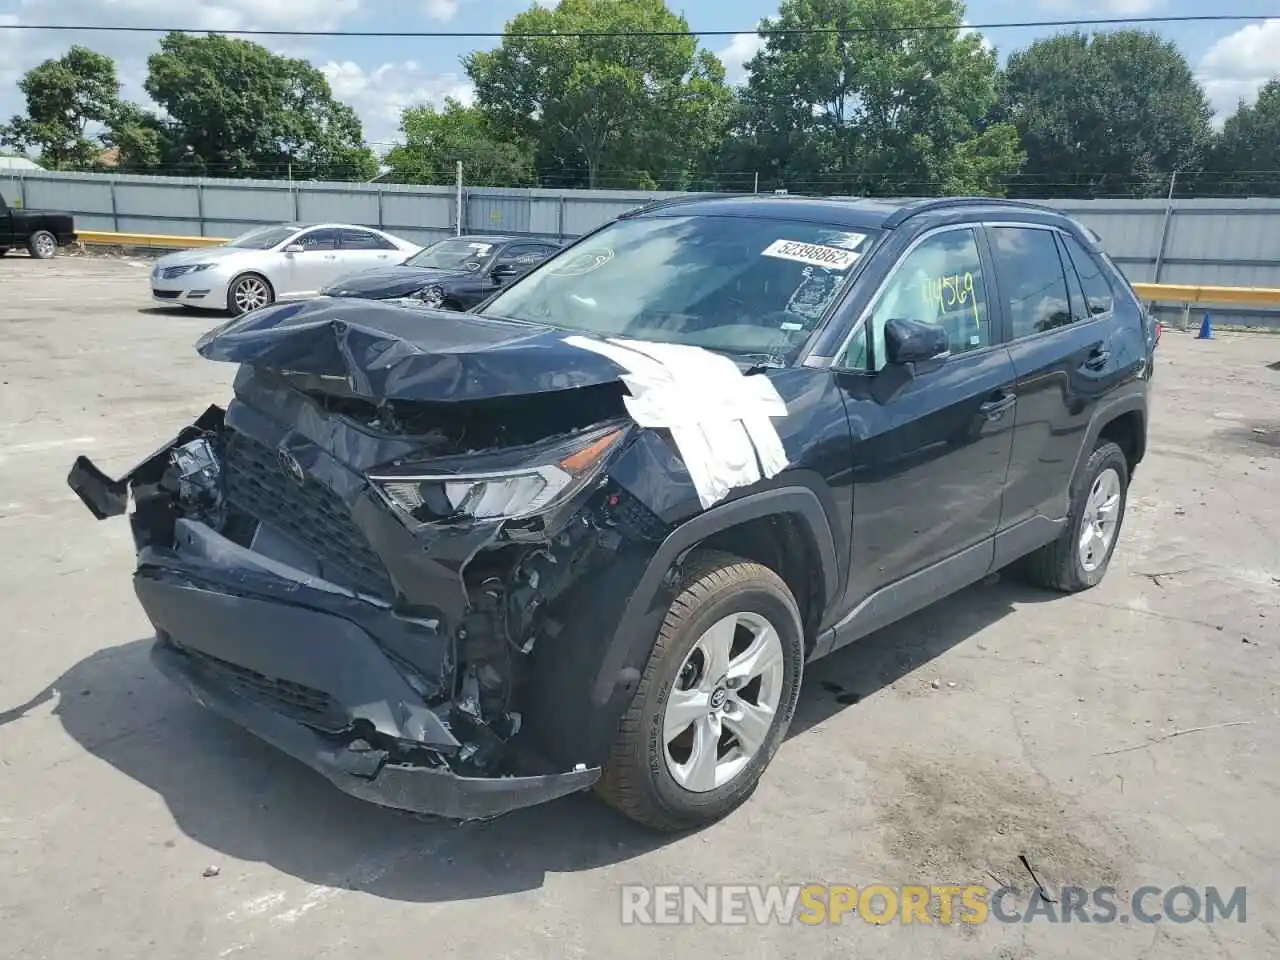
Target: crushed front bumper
column 320, row 688
column 334, row 679
column 367, row 774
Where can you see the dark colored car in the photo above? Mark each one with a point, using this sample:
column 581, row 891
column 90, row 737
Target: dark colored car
column 591, row 534
column 455, row 274
column 40, row 232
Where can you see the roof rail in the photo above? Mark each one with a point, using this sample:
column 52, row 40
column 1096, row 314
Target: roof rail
column 933, row 203
column 674, row 201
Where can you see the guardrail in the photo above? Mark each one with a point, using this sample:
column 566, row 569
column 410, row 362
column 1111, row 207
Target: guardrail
column 1189, row 295
column 150, row 241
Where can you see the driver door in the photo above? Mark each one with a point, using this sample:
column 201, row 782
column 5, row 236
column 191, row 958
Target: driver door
column 930, row 461
column 308, row 271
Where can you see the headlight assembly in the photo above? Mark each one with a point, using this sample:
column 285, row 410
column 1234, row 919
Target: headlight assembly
column 551, row 475
column 432, row 296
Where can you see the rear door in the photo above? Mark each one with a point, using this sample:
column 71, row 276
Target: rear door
column 929, row 464
column 1062, row 350
column 363, row 250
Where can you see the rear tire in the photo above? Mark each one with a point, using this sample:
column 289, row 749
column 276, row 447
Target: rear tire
column 42, row 245
column 249, row 292
column 3, row 251
column 1071, row 563
column 652, row 773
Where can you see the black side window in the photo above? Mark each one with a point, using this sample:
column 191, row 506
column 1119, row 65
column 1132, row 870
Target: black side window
column 319, row 240
column 1032, row 282
column 1097, row 291
column 1078, row 309
column 363, row 240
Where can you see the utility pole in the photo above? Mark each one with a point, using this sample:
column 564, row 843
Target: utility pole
column 756, row 187
column 1164, row 227
column 458, row 231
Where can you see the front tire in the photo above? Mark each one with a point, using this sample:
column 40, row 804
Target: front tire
column 715, row 700
column 249, row 292
column 42, row 245
column 1079, row 558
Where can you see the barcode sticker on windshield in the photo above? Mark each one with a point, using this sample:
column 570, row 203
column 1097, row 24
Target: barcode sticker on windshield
column 814, row 254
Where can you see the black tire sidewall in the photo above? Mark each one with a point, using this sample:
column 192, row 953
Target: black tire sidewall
column 758, row 596
column 1109, row 455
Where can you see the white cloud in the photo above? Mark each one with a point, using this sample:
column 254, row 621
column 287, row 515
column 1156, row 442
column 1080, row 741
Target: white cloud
column 1235, row 67
column 986, row 42
column 379, row 95
column 742, row 47
column 1103, row 8
column 442, row 10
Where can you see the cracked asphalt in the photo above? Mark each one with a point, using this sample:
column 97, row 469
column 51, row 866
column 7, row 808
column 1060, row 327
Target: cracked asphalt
column 1123, row 737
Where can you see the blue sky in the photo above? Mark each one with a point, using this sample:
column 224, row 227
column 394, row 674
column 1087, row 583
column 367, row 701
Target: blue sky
column 380, row 76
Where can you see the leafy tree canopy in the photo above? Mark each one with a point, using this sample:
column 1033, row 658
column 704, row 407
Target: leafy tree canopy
column 1112, row 115
column 615, row 111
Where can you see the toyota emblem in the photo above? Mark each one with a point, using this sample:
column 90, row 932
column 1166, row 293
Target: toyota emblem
column 291, row 466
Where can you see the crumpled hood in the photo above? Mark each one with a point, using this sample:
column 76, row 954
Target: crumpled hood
column 387, row 352
column 384, row 282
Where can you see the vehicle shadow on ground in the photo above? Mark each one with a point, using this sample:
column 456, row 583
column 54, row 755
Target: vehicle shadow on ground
column 244, row 801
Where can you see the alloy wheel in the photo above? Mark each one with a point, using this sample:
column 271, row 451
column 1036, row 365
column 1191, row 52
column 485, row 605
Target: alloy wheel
column 723, row 703
column 46, row 246
column 1100, row 520
column 250, row 294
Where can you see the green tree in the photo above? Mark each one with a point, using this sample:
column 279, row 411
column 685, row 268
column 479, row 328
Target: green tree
column 1114, row 115
column 66, row 99
column 605, row 110
column 1247, row 158
column 435, row 141
column 876, row 109
column 234, row 108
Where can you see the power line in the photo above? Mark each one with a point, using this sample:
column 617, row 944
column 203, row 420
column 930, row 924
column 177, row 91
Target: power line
column 548, row 34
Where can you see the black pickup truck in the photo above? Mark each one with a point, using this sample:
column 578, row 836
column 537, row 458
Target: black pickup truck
column 40, row 232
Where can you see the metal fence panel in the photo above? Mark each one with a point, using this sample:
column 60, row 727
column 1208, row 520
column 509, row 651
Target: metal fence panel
column 1229, row 242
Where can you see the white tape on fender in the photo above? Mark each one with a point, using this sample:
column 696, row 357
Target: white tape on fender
column 718, row 418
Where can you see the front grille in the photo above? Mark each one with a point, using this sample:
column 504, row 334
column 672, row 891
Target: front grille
column 298, row 701
column 166, row 294
column 307, row 511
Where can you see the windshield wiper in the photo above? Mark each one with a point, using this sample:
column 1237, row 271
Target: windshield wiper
column 760, row 361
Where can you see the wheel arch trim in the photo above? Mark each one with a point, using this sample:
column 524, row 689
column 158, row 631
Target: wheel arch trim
column 631, row 642
column 1105, row 415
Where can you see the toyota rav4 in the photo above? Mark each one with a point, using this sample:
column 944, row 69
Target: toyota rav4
column 589, row 535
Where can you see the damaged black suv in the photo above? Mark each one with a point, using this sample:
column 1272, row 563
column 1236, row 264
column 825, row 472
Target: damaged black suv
column 590, row 534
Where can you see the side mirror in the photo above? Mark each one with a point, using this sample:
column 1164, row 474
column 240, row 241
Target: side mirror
column 504, row 271
column 295, row 248
column 914, row 341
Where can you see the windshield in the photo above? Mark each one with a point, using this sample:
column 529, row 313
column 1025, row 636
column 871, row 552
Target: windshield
column 453, row 255
column 733, row 284
column 263, row 238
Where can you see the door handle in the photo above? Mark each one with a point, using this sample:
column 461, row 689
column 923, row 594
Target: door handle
column 1097, row 359
column 995, row 408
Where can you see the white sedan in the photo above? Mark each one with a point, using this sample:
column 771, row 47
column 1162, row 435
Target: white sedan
column 287, row 262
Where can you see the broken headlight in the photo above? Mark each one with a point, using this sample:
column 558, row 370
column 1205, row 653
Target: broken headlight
column 548, row 475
